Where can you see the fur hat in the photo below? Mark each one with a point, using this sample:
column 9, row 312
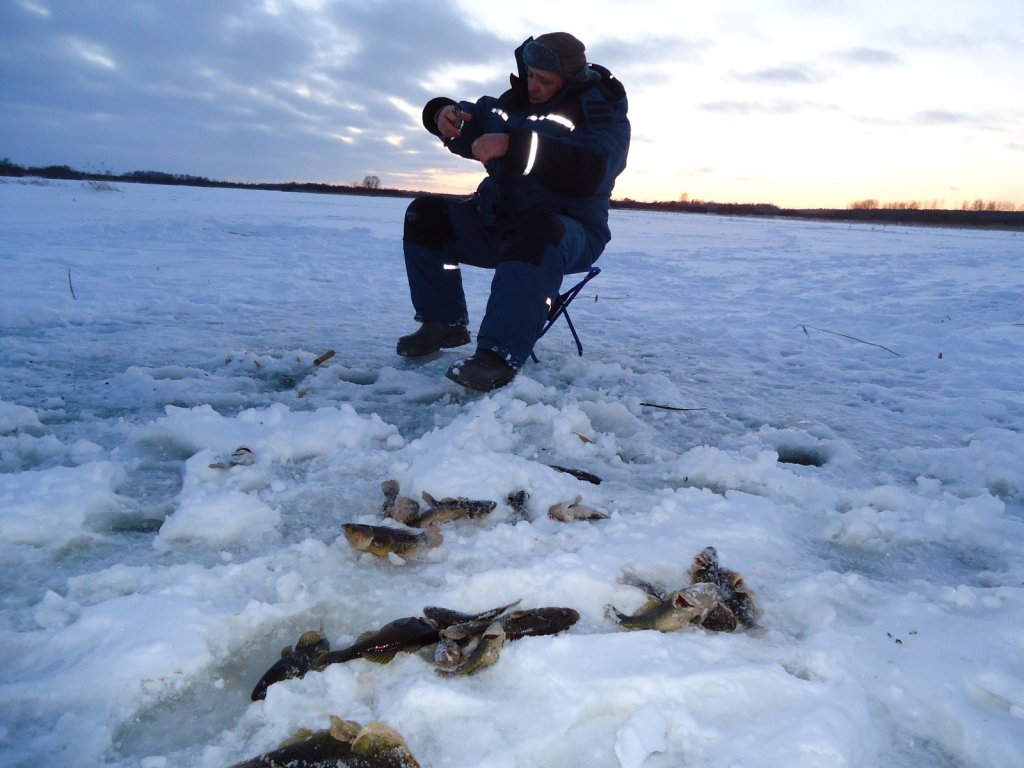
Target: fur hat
column 557, row 52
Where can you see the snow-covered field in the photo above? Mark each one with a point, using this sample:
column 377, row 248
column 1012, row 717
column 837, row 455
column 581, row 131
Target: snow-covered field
column 869, row 486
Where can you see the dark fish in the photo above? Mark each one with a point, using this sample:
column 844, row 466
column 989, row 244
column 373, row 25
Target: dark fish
column 537, row 621
column 390, row 489
column 380, row 540
column 579, row 474
column 736, row 595
column 445, row 617
column 457, row 639
column 242, row 456
column 447, row 509
column 345, row 743
column 380, row 647
column 517, row 501
column 293, row 662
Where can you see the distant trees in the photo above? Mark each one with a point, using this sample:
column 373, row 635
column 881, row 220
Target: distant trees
column 7, row 168
column 932, row 205
column 371, row 182
column 991, row 205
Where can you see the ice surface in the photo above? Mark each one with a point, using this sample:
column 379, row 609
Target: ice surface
column 872, row 499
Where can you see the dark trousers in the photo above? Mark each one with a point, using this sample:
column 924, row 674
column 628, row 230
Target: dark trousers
column 529, row 258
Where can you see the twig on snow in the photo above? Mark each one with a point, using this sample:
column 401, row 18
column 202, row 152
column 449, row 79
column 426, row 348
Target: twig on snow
column 71, row 286
column 846, row 336
column 671, row 407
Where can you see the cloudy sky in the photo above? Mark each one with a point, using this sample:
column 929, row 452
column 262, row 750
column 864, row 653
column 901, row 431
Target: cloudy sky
column 795, row 102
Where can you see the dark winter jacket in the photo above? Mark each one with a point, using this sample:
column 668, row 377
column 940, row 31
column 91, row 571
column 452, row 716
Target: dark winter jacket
column 563, row 156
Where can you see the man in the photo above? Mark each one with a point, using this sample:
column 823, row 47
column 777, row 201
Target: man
column 552, row 146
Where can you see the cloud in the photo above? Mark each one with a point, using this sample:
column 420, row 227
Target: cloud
column 873, row 57
column 783, row 107
column 941, row 117
column 969, row 37
column 778, row 75
column 648, row 61
column 233, row 88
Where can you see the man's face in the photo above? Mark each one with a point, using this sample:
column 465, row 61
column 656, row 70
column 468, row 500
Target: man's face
column 541, row 85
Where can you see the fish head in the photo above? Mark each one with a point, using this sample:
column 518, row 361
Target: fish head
column 406, row 509
column 695, row 600
column 518, row 499
column 705, row 560
column 359, row 536
column 380, row 744
column 448, row 654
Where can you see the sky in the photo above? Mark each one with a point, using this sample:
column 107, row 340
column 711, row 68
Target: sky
column 800, row 103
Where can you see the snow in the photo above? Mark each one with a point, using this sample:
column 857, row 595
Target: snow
column 854, row 446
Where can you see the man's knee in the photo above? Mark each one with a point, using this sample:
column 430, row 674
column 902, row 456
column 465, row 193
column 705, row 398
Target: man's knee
column 428, row 222
column 532, row 239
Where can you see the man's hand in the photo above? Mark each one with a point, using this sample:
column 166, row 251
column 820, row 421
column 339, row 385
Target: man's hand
column 490, row 146
column 450, row 119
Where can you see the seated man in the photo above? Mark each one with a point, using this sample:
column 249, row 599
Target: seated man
column 552, row 145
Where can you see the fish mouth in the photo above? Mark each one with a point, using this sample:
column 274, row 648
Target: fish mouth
column 682, row 602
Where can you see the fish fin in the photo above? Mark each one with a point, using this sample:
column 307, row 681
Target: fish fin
column 429, row 499
column 302, row 734
column 309, row 638
column 652, row 603
column 344, row 731
column 286, row 652
column 612, row 612
column 333, row 657
column 510, row 606
column 380, row 657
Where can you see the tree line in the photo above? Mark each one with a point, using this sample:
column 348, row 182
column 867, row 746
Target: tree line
column 977, row 215
column 370, row 185
column 934, row 205
column 981, row 214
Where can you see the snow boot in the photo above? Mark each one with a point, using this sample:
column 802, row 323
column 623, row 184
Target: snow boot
column 484, row 371
column 432, row 337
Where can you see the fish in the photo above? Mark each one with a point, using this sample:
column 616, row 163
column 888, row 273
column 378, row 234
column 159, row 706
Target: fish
column 293, row 662
column 579, row 474
column 672, row 610
column 484, row 654
column 401, row 635
column 381, row 541
column 567, row 511
column 449, row 651
column 240, row 457
column 445, row 617
column 456, row 639
column 345, row 743
column 537, row 621
column 737, row 596
column 447, row 509
column 517, row 501
column 390, row 490
column 400, row 508
column 717, row 618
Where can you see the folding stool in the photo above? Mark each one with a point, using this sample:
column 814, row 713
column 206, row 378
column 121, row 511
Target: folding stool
column 560, row 307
